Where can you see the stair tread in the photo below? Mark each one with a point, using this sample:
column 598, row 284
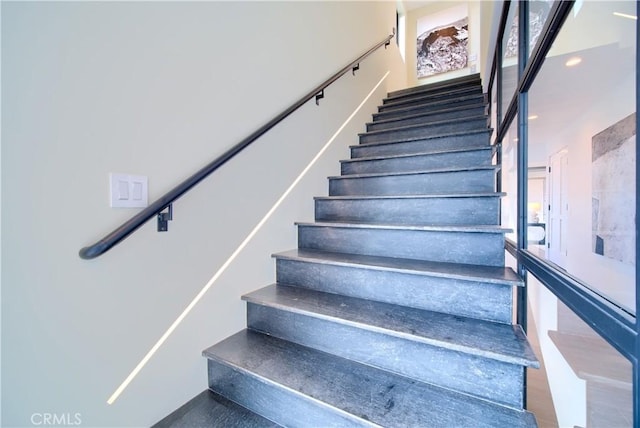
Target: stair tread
column 422, row 171
column 430, row 137
column 443, row 101
column 424, row 115
column 479, row 94
column 578, row 351
column 469, row 79
column 411, row 155
column 209, row 409
column 381, row 116
column 424, row 125
column 431, row 228
column 500, row 275
column 448, row 94
column 426, row 196
column 497, row 341
column 371, row 394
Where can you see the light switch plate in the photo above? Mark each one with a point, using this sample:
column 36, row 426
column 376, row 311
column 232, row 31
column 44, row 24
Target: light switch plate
column 128, row 191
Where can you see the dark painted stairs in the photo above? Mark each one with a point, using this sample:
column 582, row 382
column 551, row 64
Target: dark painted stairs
column 396, row 308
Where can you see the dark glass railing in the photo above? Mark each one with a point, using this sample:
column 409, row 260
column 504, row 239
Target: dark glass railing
column 616, row 328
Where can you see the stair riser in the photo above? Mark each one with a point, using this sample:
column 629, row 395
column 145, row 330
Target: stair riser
column 436, row 102
column 479, row 376
column 209, row 409
column 457, row 247
column 412, row 120
column 391, row 112
column 415, row 184
column 424, row 131
column 424, row 92
column 419, row 162
column 423, row 211
column 446, row 93
column 450, row 142
column 488, row 301
column 452, row 83
column 273, row 401
column 429, row 97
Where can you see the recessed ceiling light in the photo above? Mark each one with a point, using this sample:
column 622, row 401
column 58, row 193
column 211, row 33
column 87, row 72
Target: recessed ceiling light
column 624, row 15
column 573, row 61
column 533, row 117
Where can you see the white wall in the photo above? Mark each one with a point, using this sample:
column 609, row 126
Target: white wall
column 490, row 12
column 157, row 89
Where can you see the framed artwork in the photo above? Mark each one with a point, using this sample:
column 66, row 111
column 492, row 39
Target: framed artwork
column 613, row 169
column 442, row 42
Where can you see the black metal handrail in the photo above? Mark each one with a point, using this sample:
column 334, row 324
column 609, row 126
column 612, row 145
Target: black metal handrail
column 166, row 201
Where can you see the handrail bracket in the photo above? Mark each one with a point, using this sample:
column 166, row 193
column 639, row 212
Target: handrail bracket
column 388, row 42
column 319, row 96
column 355, row 68
column 164, row 218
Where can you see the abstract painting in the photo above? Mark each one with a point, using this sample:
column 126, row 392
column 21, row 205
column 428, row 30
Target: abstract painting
column 613, row 191
column 442, row 42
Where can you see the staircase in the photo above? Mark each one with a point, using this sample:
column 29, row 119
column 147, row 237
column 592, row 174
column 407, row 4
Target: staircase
column 396, row 308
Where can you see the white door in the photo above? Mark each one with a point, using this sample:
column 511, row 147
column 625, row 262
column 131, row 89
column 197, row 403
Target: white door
column 558, row 207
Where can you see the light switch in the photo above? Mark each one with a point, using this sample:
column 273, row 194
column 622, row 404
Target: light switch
column 128, row 191
column 123, row 190
column 137, row 191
